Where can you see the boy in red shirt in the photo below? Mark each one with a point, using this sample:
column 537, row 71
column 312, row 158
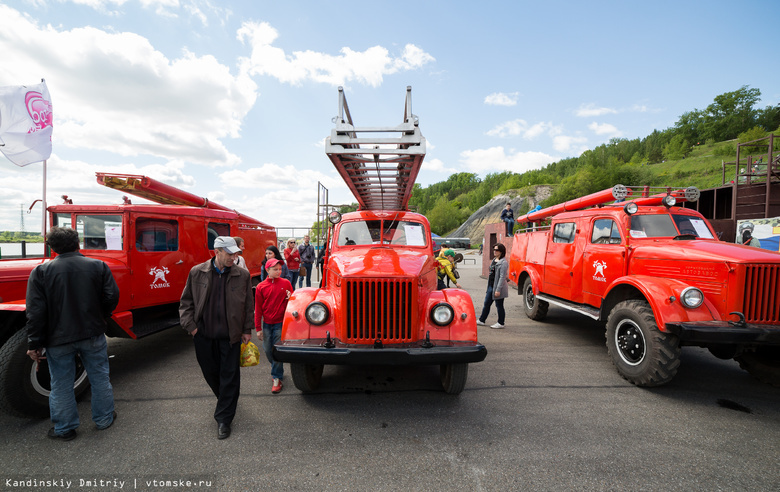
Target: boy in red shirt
column 271, row 298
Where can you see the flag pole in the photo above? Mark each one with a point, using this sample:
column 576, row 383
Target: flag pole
column 43, row 222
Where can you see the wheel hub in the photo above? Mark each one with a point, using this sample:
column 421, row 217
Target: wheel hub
column 630, row 342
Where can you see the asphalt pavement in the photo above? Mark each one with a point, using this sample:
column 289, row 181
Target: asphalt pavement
column 545, row 411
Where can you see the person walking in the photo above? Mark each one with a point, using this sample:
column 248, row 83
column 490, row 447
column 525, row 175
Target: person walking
column 306, row 250
column 293, row 259
column 271, row 298
column 497, row 289
column 68, row 301
column 217, row 310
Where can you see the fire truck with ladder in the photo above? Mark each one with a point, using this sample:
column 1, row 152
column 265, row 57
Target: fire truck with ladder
column 150, row 249
column 377, row 303
column 659, row 277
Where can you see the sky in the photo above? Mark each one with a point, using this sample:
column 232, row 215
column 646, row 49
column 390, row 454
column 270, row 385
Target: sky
column 232, row 100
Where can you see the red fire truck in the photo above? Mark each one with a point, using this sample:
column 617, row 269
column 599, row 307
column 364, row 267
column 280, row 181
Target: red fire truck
column 150, row 249
column 659, row 277
column 378, row 303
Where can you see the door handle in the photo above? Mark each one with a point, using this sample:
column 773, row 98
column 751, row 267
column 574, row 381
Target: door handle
column 180, row 262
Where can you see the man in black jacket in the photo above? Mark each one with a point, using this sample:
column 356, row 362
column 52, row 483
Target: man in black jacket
column 68, row 301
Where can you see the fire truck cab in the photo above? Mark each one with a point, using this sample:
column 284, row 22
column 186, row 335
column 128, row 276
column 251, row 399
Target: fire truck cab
column 378, row 303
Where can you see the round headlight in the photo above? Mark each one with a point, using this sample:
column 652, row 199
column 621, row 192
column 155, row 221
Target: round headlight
column 334, row 217
column 669, row 201
column 442, row 314
column 692, row 297
column 631, row 208
column 317, row 313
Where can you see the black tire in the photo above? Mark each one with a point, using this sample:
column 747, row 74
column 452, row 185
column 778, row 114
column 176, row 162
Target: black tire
column 641, row 353
column 306, row 377
column 23, row 391
column 533, row 307
column 763, row 364
column 453, row 377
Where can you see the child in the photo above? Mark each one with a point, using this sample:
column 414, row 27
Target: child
column 271, row 298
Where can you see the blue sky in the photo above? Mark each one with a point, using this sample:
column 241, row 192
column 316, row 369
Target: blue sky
column 233, row 100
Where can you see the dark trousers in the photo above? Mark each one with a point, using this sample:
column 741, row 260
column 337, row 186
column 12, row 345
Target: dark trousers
column 489, row 302
column 219, row 361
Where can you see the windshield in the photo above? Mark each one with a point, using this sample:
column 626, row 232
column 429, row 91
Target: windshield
column 665, row 225
column 395, row 233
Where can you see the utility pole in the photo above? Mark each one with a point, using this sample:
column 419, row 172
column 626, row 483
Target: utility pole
column 21, row 220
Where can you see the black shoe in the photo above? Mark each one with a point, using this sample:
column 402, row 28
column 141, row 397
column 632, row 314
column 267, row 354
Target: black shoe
column 109, row 425
column 223, row 431
column 68, row 436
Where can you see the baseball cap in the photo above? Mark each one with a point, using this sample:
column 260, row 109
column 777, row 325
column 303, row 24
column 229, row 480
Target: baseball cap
column 272, row 263
column 227, row 243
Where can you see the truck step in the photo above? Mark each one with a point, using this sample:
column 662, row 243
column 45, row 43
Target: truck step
column 589, row 311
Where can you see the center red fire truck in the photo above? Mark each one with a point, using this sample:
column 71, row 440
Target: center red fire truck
column 659, row 277
column 150, row 249
column 378, row 302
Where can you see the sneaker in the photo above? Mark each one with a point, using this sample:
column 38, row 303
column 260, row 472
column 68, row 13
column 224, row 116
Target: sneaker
column 480, row 322
column 277, row 386
column 68, row 436
column 497, row 326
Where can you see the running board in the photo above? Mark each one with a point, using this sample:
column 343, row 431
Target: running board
column 588, row 311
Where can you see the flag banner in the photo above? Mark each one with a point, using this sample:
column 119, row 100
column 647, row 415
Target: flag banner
column 26, row 120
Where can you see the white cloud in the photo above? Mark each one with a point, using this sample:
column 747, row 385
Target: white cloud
column 590, row 110
column 605, row 129
column 367, row 67
column 498, row 159
column 437, row 165
column 520, row 127
column 116, row 92
column 502, row 99
column 563, row 143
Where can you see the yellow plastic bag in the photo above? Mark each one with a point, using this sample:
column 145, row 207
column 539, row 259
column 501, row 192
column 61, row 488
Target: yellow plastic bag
column 250, row 354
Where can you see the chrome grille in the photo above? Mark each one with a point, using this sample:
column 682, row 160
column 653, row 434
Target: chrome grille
column 761, row 303
column 381, row 309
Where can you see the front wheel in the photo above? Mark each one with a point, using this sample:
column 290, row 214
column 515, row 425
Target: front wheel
column 763, row 364
column 306, row 377
column 24, row 392
column 453, row 377
column 534, row 308
column 642, row 354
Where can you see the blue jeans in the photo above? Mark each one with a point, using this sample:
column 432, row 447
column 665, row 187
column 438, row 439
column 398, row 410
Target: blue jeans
column 62, row 369
column 489, row 302
column 293, row 278
column 308, row 266
column 272, row 334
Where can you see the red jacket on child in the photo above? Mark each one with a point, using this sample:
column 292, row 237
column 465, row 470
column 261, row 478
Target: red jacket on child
column 271, row 297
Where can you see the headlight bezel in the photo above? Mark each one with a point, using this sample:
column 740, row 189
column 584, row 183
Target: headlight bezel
column 316, row 305
column 442, row 307
column 685, row 297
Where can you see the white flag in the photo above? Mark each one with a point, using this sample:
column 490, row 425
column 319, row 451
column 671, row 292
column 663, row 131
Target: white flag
column 26, row 120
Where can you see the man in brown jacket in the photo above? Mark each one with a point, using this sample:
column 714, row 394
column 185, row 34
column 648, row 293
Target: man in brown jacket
column 217, row 309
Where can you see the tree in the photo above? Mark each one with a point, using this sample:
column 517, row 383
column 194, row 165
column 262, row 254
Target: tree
column 677, row 148
column 731, row 113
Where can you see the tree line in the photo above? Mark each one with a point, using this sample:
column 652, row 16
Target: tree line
column 732, row 115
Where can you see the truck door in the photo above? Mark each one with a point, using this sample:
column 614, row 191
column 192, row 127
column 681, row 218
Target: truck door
column 603, row 260
column 159, row 266
column 559, row 260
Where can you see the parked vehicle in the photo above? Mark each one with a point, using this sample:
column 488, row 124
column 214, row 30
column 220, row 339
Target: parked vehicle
column 150, row 249
column 378, row 302
column 658, row 276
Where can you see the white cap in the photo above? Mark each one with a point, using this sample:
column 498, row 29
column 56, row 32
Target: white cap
column 227, row 243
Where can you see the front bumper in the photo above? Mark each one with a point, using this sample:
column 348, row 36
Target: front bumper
column 313, row 351
column 724, row 333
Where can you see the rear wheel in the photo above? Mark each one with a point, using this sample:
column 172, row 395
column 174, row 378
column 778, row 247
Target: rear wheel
column 453, row 377
column 763, row 364
column 534, row 308
column 642, row 354
column 23, row 390
column 306, row 377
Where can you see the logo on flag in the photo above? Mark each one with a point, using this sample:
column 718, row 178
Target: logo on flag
column 26, row 122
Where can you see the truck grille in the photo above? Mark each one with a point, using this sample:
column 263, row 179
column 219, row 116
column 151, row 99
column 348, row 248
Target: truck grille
column 379, row 310
column 761, row 303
